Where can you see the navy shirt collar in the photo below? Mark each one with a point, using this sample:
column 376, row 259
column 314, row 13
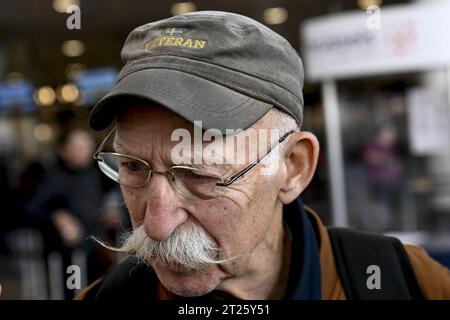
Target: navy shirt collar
column 304, row 276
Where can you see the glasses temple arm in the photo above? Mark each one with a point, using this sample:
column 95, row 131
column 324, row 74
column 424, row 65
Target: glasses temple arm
column 234, row 177
column 100, row 147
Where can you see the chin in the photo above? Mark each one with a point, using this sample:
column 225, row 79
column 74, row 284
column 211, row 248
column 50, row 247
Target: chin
column 188, row 283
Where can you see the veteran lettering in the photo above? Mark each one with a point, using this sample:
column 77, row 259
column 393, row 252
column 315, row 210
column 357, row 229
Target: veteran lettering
column 174, row 41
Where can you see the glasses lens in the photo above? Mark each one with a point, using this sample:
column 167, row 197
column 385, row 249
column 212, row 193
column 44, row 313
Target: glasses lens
column 124, row 170
column 193, row 185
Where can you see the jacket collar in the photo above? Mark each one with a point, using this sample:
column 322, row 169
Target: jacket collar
column 304, row 276
column 331, row 284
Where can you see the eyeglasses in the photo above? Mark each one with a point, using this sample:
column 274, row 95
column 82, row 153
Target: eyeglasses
column 189, row 182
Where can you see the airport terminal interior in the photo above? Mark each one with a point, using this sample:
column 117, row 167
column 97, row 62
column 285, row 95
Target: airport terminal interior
column 382, row 117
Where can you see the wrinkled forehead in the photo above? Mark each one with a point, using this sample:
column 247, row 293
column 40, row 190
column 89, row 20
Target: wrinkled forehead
column 145, row 130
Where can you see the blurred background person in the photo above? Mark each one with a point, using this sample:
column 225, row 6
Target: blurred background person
column 384, row 170
column 68, row 202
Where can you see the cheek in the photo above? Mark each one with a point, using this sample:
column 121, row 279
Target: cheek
column 255, row 221
column 236, row 226
column 135, row 205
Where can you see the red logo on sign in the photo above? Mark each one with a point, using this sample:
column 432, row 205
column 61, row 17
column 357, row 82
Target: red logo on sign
column 401, row 39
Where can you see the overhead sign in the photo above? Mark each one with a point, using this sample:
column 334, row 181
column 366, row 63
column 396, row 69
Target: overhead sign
column 428, row 121
column 381, row 41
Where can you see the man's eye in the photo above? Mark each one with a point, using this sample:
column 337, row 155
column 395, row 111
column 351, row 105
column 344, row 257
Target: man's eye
column 133, row 166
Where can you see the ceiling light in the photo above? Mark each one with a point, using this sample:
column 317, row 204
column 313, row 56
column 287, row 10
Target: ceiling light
column 62, row 5
column 67, row 93
column 364, row 4
column 276, row 15
column 42, row 132
column 45, row 96
column 72, row 48
column 183, row 7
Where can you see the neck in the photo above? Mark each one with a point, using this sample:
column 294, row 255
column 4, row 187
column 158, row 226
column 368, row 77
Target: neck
column 277, row 289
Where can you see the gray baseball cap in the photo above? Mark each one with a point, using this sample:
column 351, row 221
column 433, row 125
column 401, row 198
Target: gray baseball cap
column 224, row 69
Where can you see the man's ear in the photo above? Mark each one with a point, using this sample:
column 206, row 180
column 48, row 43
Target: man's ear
column 300, row 162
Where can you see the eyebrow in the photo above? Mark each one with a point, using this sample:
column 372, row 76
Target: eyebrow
column 201, row 166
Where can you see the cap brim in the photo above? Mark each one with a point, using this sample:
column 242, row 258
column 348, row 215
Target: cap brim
column 189, row 96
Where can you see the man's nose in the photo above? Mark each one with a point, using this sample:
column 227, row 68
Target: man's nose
column 163, row 213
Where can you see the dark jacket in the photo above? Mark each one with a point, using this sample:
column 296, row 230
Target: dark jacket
column 78, row 191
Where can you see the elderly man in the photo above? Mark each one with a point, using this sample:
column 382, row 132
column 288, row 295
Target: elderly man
column 214, row 217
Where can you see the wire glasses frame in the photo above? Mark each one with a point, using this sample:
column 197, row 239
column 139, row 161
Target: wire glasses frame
column 100, row 157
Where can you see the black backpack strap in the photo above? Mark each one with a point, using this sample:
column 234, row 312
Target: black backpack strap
column 355, row 251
